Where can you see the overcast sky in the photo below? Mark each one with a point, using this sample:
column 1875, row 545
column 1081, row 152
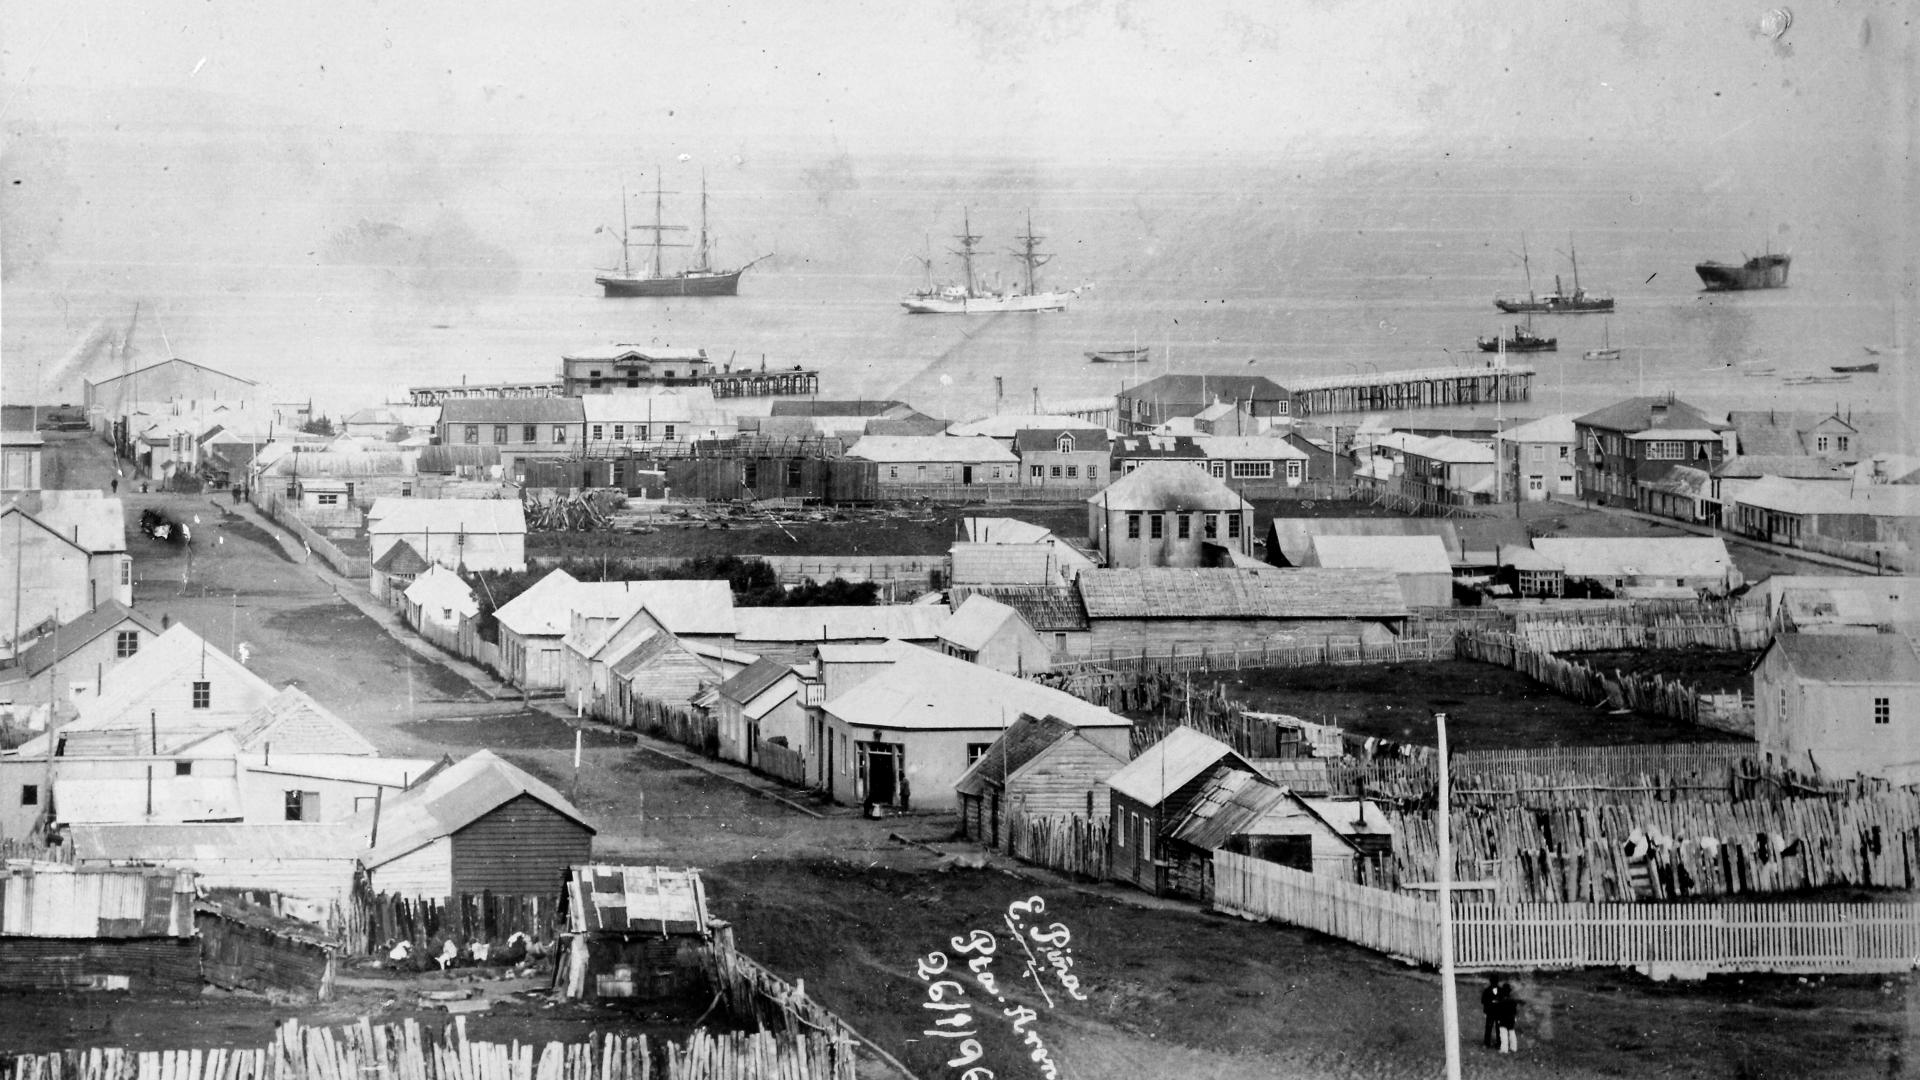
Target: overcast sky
column 1100, row 77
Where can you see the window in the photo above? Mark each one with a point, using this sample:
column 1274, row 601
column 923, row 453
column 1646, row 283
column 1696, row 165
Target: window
column 668, row 433
column 1565, row 452
column 750, row 474
column 598, row 433
column 203, row 695
column 1841, row 443
column 1293, row 470
column 1210, row 525
column 1132, row 465
column 473, row 433
column 619, row 432
column 1183, row 526
column 1059, row 642
column 1820, row 442
column 1535, row 483
column 1066, row 444
column 499, row 433
column 406, row 491
column 327, row 498
column 1038, row 472
column 183, row 768
column 29, row 794
column 1666, row 450
column 1217, row 468
column 1156, row 527
column 618, row 475
column 303, row 806
column 1539, row 453
column 1054, row 472
column 1281, row 407
column 1093, row 472
column 1133, row 526
column 529, row 433
column 1252, row 470
column 948, row 473
column 1073, row 472
column 559, row 433
column 1882, row 710
column 126, row 571
column 125, row 644
column 976, row 751
column 1233, row 525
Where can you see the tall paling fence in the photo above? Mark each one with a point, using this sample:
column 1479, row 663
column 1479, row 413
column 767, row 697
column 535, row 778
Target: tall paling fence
column 781, row 763
column 27, row 848
column 411, row 1051
column 1554, row 776
column 755, row 995
column 1644, row 846
column 1577, row 626
column 1647, row 694
column 674, row 723
column 1094, row 668
column 1828, row 938
column 376, row 922
column 1069, row 843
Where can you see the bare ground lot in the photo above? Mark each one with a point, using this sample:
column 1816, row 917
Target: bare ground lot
column 1487, row 707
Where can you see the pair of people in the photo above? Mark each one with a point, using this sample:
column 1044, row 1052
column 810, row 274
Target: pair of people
column 1500, row 1008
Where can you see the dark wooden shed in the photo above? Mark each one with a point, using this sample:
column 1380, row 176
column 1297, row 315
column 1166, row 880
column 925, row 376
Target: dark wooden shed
column 1151, row 795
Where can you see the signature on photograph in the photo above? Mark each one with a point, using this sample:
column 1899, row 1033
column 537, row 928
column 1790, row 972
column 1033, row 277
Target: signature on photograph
column 1045, row 955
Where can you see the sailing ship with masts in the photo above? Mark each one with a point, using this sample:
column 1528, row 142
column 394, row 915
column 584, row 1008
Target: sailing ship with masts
column 969, row 296
column 699, row 279
column 1556, row 302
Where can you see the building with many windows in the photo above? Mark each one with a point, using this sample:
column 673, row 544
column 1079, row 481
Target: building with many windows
column 1631, row 445
column 1536, row 460
column 1169, row 513
column 520, row 428
column 1063, row 457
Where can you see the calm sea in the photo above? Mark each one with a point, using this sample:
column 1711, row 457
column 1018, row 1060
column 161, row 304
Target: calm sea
column 347, row 280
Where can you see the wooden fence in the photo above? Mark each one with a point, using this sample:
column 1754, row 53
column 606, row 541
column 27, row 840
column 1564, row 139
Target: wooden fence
column 375, row 922
column 1393, row 923
column 1648, row 694
column 355, row 567
column 409, row 1051
column 698, row 730
column 781, row 763
column 1622, row 846
column 1341, row 651
column 1069, row 843
column 1712, row 937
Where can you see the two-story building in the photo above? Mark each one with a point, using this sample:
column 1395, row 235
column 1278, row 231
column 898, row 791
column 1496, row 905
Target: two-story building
column 520, row 428
column 632, row 367
column 1170, row 514
column 637, row 420
column 1631, row 445
column 1536, row 460
column 1070, row 458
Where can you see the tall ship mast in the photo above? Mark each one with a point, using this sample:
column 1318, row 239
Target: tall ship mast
column 699, row 279
column 969, row 296
column 1556, row 302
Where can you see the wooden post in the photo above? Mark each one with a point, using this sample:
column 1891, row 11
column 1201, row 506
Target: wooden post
column 1449, row 1006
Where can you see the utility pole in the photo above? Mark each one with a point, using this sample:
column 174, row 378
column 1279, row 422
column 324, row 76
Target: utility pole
column 1449, row 1004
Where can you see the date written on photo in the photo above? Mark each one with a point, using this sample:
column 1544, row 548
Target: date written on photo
column 1045, row 953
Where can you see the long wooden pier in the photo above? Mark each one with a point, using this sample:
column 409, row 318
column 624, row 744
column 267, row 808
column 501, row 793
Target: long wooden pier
column 1420, row 388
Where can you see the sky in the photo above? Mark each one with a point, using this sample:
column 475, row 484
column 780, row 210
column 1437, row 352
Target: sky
column 1091, row 77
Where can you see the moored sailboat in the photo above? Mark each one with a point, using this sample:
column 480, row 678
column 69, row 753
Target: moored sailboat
column 699, row 279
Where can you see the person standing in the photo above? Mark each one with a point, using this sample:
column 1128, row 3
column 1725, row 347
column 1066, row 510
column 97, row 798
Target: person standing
column 1507, row 1011
column 1489, row 1008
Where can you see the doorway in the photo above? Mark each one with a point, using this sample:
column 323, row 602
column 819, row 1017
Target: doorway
column 882, row 774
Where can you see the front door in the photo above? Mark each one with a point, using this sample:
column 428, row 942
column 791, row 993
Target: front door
column 966, row 474
column 880, row 767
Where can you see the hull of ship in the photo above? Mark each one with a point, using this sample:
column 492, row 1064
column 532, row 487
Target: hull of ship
column 1602, row 354
column 1755, row 274
column 727, row 284
column 979, row 305
column 1569, row 306
column 1118, row 356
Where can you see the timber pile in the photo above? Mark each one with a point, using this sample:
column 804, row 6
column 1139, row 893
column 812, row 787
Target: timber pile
column 1069, row 843
column 588, row 511
column 406, row 1051
column 1640, row 847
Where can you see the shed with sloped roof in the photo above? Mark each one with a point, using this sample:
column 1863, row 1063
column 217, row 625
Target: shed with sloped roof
column 1039, row 767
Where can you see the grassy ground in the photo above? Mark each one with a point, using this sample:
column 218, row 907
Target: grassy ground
column 1488, row 707
column 1714, row 670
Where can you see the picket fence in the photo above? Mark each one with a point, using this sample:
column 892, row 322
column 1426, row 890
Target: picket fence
column 408, row 1051
column 1829, row 938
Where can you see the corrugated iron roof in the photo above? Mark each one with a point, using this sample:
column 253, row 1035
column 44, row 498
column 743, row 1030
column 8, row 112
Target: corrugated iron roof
column 1294, row 536
column 1206, row 389
column 1167, row 766
column 974, row 623
column 1400, row 554
column 1641, row 413
column 183, row 844
column 1230, row 801
column 1638, row 556
column 452, row 799
column 756, row 679
column 926, row 691
column 908, row 449
column 1167, row 485
column 1011, row 425
column 293, row 723
column 1875, row 659
column 1241, row 592
column 635, row 899
column 511, row 410
column 54, row 900
column 907, row 622
column 481, row 517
